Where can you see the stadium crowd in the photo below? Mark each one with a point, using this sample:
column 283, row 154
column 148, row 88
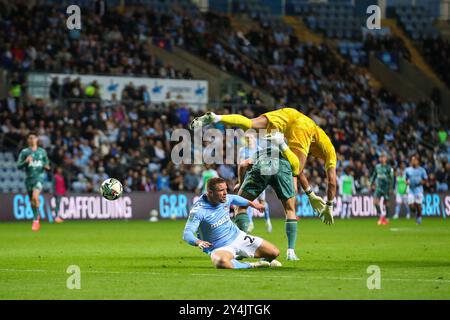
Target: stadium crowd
column 131, row 140
column 93, row 141
column 386, row 43
column 437, row 54
column 37, row 39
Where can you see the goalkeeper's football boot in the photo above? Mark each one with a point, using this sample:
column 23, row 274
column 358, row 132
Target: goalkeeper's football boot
column 419, row 220
column 203, row 120
column 291, row 256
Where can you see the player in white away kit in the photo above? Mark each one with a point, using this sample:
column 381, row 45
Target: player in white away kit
column 210, row 228
column 416, row 177
column 251, row 147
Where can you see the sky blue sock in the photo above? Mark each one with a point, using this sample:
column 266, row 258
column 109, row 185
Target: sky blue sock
column 250, row 214
column 240, row 265
column 266, row 211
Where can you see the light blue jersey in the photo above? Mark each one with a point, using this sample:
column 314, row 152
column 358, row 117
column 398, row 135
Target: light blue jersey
column 212, row 223
column 247, row 152
column 415, row 176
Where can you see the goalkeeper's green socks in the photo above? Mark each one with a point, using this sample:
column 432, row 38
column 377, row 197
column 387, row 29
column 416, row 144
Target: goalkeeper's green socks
column 242, row 221
column 235, row 120
column 291, row 232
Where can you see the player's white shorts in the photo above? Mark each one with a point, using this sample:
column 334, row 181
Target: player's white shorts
column 347, row 198
column 415, row 198
column 244, row 245
column 399, row 198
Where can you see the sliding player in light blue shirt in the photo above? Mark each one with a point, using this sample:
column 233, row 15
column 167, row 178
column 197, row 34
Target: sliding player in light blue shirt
column 210, row 228
column 416, row 177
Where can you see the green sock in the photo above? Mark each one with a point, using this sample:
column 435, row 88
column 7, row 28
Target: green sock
column 35, row 213
column 377, row 207
column 58, row 201
column 241, row 221
column 291, row 232
column 387, row 211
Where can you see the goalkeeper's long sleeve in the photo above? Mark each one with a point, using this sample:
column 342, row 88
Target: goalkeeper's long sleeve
column 293, row 160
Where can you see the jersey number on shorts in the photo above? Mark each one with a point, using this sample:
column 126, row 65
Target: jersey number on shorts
column 249, row 238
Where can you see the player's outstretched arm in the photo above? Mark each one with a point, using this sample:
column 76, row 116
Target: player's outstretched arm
column 424, row 177
column 326, row 215
column 292, row 158
column 242, row 202
column 317, row 203
column 331, row 184
column 191, row 228
column 243, row 167
column 278, row 139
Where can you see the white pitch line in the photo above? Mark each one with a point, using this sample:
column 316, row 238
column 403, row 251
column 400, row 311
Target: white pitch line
column 258, row 275
column 327, row 278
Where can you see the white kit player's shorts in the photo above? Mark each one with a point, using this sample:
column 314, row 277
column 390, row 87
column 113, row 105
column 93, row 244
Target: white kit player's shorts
column 399, row 199
column 347, row 198
column 415, row 198
column 244, row 245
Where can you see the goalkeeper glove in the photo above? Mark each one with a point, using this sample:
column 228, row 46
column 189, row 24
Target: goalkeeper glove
column 326, row 215
column 317, row 203
column 277, row 138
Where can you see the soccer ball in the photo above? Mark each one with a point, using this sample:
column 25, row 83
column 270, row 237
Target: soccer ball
column 111, row 189
column 153, row 215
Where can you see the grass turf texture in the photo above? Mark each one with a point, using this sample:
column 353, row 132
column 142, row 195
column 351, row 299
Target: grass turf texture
column 143, row 260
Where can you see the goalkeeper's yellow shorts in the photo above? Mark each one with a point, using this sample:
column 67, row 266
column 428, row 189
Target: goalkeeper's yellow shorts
column 281, row 119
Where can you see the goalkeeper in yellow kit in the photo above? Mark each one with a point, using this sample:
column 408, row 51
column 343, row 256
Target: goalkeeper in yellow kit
column 303, row 136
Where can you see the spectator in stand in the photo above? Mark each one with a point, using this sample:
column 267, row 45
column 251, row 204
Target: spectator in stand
column 135, row 134
column 443, row 177
column 163, row 181
column 191, row 179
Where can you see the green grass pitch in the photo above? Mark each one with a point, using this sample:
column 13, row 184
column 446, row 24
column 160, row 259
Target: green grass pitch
column 143, row 260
